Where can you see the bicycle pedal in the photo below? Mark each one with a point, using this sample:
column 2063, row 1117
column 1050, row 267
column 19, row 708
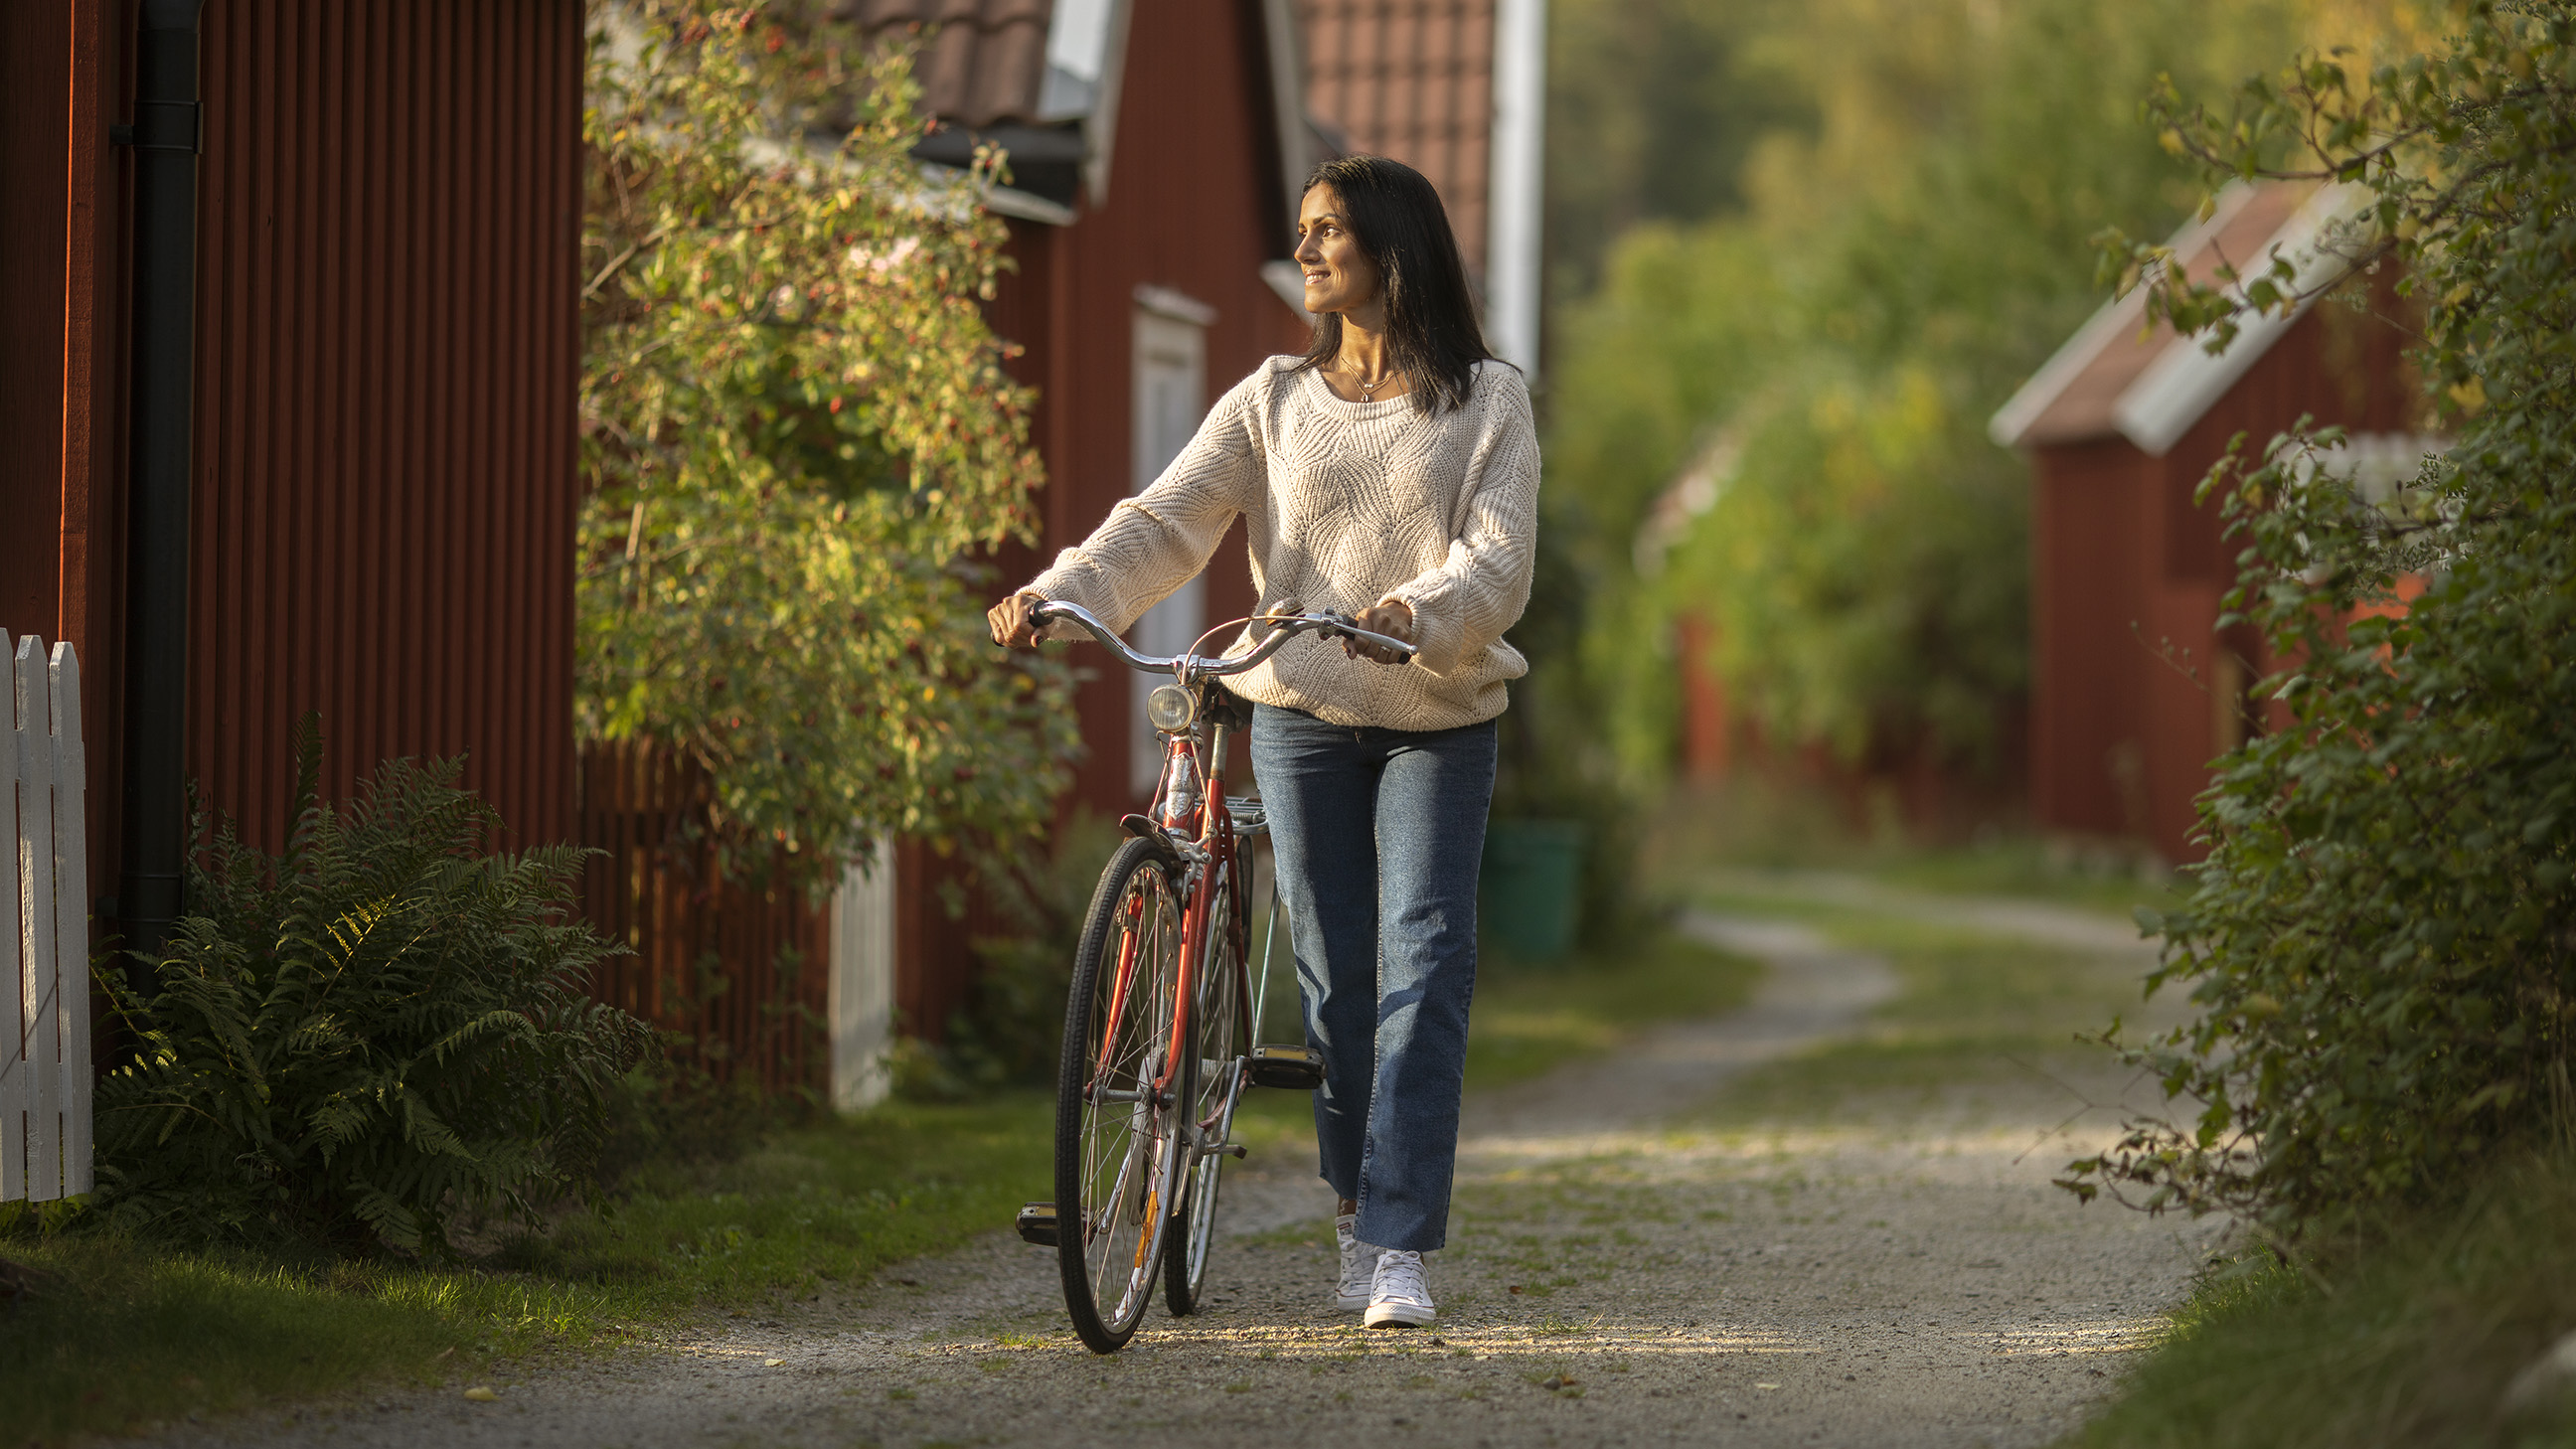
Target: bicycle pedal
column 1292, row 1068
column 1037, row 1224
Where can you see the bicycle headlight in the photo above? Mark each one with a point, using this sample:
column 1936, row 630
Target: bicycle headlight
column 1170, row 709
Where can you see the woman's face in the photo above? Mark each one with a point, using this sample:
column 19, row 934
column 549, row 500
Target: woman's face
column 1339, row 276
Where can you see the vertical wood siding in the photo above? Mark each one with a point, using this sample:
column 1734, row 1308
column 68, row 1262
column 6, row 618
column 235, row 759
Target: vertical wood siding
column 387, row 360
column 737, row 968
column 61, row 354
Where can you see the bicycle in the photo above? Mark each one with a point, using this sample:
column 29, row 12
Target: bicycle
column 1160, row 1020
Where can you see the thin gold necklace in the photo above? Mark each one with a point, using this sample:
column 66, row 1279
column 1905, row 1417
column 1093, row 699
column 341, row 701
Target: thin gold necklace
column 1369, row 388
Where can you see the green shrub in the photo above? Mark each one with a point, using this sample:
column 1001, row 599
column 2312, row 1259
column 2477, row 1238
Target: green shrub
column 356, row 1039
column 2382, row 943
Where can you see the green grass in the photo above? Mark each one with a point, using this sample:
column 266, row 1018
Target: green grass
column 129, row 1333
column 1754, row 824
column 1972, row 1007
column 2411, row 1342
column 1530, row 1019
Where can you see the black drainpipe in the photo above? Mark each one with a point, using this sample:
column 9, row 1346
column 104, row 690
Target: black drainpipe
column 165, row 137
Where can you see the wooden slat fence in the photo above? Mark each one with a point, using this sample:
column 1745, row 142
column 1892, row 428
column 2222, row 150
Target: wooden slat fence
column 740, row 970
column 44, row 930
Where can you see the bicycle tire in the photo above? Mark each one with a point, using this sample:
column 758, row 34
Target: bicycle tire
column 1214, row 1076
column 1121, row 1221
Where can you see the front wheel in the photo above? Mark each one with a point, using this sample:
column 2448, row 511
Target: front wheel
column 1118, row 1151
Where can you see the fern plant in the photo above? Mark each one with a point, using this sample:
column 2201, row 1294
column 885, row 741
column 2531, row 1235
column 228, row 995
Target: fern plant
column 356, row 1039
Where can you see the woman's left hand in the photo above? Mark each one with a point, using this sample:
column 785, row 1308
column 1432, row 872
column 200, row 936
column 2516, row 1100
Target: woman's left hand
column 1394, row 619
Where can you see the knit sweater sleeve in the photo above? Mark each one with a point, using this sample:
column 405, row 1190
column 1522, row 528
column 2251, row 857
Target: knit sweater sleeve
column 1154, row 542
column 1462, row 606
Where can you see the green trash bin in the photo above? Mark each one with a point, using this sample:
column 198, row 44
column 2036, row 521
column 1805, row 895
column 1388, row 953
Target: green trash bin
column 1528, row 886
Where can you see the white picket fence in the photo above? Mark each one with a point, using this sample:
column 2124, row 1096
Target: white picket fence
column 44, row 930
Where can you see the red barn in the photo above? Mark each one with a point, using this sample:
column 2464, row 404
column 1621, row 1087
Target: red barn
column 2134, row 691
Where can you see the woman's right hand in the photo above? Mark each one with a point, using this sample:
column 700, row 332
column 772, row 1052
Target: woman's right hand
column 1010, row 622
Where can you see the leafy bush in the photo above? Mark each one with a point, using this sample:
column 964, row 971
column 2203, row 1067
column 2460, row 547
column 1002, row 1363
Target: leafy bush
column 799, row 444
column 361, row 1036
column 2381, row 940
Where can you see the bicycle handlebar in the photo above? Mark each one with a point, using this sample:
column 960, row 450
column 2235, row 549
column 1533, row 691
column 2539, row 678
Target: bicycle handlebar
column 1283, row 627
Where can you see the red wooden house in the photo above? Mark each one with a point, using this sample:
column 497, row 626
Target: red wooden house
column 2134, row 690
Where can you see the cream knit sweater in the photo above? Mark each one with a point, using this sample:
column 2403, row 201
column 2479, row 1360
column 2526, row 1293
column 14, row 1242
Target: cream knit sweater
column 1347, row 505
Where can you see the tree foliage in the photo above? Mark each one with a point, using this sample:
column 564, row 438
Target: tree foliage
column 361, row 1037
column 798, row 439
column 2380, row 943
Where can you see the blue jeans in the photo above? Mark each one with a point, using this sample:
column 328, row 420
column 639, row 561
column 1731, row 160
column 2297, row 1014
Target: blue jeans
column 1377, row 835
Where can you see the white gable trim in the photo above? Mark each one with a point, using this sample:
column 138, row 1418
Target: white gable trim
column 1102, row 129
column 2179, row 387
column 2012, row 422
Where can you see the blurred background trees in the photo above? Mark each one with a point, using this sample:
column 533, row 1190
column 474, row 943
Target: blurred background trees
column 1797, row 264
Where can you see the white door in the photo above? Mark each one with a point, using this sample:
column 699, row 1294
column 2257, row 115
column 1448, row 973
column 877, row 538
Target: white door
column 1170, row 399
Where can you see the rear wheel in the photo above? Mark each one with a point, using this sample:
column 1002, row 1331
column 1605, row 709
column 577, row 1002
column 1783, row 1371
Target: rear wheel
column 1118, row 1155
column 1216, row 1082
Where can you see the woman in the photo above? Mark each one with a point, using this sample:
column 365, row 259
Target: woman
column 1391, row 473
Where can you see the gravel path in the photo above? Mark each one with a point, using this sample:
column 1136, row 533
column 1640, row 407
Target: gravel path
column 1615, row 1275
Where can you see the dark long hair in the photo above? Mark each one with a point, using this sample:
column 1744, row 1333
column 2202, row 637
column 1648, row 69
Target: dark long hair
column 1432, row 335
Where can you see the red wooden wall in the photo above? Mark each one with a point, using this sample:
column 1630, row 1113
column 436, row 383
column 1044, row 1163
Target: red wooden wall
column 387, row 355
column 385, row 368
column 62, row 331
column 2127, row 574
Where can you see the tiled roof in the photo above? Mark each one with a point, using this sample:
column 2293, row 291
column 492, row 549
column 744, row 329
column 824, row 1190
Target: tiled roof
column 1414, row 80
column 984, row 64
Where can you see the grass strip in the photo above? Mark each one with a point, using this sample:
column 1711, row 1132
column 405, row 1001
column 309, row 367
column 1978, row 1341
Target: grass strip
column 2410, row 1341
column 126, row 1334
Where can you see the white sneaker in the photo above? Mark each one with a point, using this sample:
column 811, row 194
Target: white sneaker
column 1401, row 1296
column 1359, row 1265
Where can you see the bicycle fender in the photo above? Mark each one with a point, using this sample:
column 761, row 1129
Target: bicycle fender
column 1152, row 834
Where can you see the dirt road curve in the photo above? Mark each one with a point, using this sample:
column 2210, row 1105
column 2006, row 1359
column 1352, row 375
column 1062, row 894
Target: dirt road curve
column 1615, row 1276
